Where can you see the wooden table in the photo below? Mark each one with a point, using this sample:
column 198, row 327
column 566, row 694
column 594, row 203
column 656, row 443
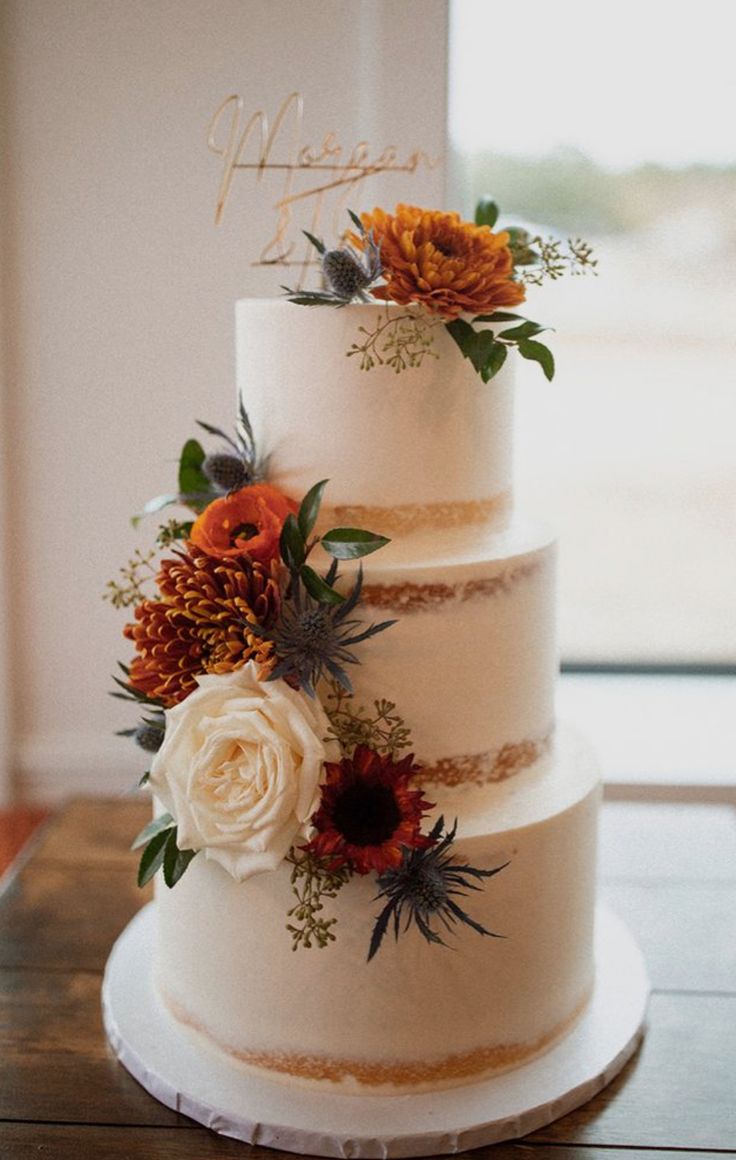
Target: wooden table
column 669, row 870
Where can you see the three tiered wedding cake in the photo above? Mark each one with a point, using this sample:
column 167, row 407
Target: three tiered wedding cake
column 425, row 458
column 374, row 849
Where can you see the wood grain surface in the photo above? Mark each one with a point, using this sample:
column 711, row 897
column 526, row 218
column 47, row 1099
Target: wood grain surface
column 669, row 871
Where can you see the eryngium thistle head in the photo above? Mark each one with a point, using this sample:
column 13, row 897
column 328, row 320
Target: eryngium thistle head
column 424, row 888
column 312, row 640
column 149, row 735
column 226, row 471
column 344, row 273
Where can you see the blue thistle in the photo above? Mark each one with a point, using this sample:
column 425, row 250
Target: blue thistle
column 312, row 638
column 149, row 734
column 238, row 465
column 425, row 887
column 345, row 274
column 348, row 272
column 226, row 471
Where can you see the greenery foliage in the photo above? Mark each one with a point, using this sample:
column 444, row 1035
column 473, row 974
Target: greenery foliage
column 160, row 851
column 383, row 730
column 487, row 349
column 340, row 543
column 312, row 882
column 129, row 589
column 397, row 340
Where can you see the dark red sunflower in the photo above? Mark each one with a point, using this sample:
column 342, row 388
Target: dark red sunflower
column 368, row 814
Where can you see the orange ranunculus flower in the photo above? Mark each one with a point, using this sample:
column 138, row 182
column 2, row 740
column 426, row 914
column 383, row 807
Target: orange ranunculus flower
column 450, row 266
column 248, row 521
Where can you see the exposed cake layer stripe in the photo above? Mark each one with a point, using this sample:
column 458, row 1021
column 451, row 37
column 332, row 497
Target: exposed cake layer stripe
column 416, row 517
column 484, row 768
column 413, row 1074
column 410, row 597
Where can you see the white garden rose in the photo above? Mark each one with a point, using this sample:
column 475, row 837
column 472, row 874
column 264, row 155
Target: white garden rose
column 240, row 769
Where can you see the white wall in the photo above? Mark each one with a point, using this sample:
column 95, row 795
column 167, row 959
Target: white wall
column 118, row 294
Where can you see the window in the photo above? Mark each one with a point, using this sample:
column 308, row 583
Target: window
column 614, row 121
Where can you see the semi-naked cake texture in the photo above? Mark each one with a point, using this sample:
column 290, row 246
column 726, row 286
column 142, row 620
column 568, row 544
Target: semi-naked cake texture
column 424, row 457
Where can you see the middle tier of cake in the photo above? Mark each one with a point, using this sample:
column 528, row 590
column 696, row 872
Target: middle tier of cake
column 471, row 661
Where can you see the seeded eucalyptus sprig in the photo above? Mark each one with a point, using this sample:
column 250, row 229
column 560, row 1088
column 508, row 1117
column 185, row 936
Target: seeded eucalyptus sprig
column 312, row 881
column 129, row 589
column 382, row 728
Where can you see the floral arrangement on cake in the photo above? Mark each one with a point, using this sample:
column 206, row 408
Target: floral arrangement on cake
column 431, row 269
column 260, row 756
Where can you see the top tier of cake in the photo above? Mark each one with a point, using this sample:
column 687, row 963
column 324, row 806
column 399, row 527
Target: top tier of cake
column 404, row 452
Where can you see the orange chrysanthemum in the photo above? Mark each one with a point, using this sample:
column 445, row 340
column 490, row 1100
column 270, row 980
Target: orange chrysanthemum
column 369, row 815
column 248, row 521
column 450, row 266
column 200, row 623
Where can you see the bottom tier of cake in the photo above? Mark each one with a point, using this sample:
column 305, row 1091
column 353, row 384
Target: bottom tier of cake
column 417, row 1016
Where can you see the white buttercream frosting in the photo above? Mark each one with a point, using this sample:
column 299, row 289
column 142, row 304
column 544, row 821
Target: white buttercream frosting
column 225, row 964
column 433, row 434
column 471, row 667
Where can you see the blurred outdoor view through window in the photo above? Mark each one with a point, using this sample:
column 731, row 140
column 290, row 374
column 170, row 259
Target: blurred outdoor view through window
column 614, row 122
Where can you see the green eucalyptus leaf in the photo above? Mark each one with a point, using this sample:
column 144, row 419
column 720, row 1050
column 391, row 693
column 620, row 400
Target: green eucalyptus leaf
column 538, row 352
column 164, row 822
column 495, row 358
column 462, row 332
column 486, row 212
column 352, row 543
column 310, row 298
column 480, row 346
column 154, row 505
column 192, row 479
column 316, row 242
column 175, row 861
column 526, row 330
column 309, row 509
column 293, row 548
column 319, row 588
column 498, row 316
column 152, row 857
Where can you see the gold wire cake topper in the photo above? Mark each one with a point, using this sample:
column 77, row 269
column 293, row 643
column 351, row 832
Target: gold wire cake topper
column 332, row 169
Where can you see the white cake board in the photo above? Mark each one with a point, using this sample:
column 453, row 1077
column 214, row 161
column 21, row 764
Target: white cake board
column 180, row 1071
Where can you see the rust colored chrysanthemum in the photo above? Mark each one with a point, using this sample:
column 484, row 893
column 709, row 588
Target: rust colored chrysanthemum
column 449, row 266
column 369, row 814
column 200, row 623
